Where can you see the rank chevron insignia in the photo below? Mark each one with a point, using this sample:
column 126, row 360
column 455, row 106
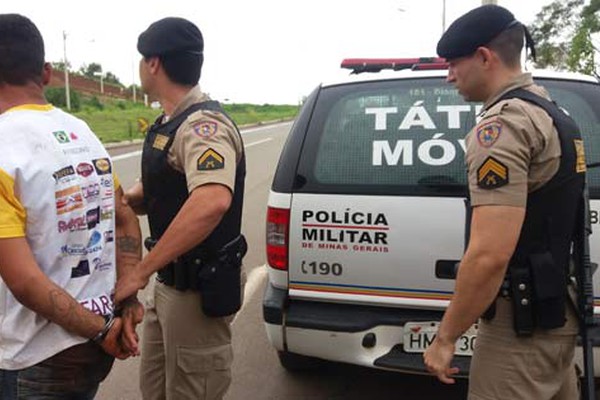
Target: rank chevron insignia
column 492, row 174
column 210, row 160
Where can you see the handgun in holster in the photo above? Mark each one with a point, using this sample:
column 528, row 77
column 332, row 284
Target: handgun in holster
column 219, row 279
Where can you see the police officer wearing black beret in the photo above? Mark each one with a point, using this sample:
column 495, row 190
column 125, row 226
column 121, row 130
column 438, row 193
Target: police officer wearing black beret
column 526, row 172
column 192, row 186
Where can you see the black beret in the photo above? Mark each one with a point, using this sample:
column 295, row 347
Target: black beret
column 474, row 29
column 170, row 35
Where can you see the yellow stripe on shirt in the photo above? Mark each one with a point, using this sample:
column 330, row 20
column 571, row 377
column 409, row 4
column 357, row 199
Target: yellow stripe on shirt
column 12, row 212
column 32, row 107
column 116, row 182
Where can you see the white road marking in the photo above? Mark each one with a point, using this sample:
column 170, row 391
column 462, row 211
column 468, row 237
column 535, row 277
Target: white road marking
column 257, row 142
column 266, row 127
column 253, row 281
column 126, row 155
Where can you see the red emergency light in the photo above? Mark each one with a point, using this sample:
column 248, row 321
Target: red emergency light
column 358, row 65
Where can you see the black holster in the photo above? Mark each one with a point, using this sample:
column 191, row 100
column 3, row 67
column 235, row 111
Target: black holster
column 215, row 274
column 538, row 291
column 522, row 299
column 219, row 280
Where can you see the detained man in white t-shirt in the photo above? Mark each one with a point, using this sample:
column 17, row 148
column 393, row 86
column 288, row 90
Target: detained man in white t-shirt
column 64, row 237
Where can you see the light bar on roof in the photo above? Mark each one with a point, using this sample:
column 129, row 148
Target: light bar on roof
column 358, row 65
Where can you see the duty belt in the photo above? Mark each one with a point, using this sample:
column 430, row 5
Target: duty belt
column 185, row 272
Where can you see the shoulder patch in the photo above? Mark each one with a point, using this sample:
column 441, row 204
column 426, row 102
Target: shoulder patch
column 492, row 174
column 210, row 160
column 488, row 133
column 205, row 129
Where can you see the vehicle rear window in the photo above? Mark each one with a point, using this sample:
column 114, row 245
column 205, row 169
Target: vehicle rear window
column 406, row 137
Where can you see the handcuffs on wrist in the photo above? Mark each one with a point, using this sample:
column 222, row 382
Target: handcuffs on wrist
column 109, row 321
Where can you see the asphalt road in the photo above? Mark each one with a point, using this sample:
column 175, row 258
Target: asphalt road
column 257, row 374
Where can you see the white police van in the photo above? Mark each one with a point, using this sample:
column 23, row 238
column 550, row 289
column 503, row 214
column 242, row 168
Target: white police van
column 368, row 195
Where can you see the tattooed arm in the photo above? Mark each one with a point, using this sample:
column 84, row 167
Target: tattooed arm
column 129, row 254
column 32, row 288
column 128, row 236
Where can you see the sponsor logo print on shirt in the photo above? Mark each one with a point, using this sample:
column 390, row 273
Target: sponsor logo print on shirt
column 73, row 250
column 74, row 224
column 210, row 160
column 63, row 173
column 77, row 150
column 91, row 192
column 95, row 243
column 102, row 166
column 93, row 217
column 82, row 269
column 160, row 141
column 101, row 305
column 489, row 133
column 100, row 265
column 85, row 169
column 109, row 236
column 68, row 199
column 205, row 129
column 106, row 214
column 73, row 136
column 61, row 137
column 492, row 174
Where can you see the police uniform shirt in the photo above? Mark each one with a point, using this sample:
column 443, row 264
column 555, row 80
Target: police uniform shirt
column 513, row 150
column 206, row 147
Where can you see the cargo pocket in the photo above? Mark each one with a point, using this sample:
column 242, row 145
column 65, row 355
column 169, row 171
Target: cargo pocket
column 203, row 372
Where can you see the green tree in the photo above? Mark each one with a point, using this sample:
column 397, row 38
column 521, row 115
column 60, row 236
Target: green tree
column 90, row 70
column 562, row 32
column 112, row 78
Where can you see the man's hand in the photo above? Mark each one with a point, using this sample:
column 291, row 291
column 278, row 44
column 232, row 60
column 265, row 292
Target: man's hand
column 111, row 344
column 129, row 284
column 437, row 359
column 132, row 314
column 134, row 198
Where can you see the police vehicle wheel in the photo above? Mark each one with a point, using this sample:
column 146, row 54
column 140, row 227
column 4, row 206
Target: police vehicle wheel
column 296, row 362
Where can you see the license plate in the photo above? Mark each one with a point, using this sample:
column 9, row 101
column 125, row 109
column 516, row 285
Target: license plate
column 419, row 335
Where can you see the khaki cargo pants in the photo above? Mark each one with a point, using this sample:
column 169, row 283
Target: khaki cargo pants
column 185, row 355
column 539, row 367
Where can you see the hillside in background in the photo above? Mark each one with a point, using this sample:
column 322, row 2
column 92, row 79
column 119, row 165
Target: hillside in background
column 116, row 119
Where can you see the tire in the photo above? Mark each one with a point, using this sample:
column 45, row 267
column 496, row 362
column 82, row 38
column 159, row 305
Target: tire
column 298, row 363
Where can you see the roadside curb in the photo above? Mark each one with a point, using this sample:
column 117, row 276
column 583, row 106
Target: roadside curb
column 125, row 143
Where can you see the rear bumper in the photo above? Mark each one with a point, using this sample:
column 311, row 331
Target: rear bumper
column 363, row 335
column 338, row 332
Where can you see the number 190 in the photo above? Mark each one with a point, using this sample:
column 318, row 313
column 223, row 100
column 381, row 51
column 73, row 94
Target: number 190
column 321, row 268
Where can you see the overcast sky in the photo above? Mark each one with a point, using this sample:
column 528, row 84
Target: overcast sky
column 257, row 51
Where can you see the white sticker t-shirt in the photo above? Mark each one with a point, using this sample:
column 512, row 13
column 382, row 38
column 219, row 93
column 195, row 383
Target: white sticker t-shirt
column 57, row 191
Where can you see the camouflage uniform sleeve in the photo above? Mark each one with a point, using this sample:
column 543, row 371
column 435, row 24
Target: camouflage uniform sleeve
column 499, row 152
column 208, row 150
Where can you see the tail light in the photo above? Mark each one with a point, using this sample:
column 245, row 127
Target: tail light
column 278, row 222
